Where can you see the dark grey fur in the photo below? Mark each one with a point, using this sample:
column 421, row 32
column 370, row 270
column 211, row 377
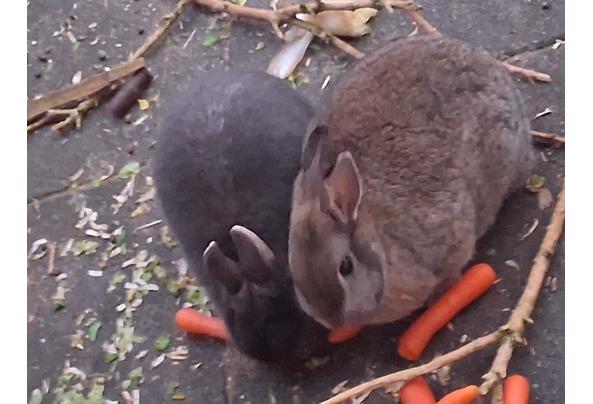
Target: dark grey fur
column 227, row 154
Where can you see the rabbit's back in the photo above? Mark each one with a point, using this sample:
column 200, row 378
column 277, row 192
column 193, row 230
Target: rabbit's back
column 228, row 152
column 439, row 133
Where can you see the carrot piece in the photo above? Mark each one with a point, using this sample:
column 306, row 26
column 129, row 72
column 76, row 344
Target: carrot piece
column 417, row 391
column 467, row 289
column 342, row 334
column 194, row 322
column 461, row 396
column 516, row 390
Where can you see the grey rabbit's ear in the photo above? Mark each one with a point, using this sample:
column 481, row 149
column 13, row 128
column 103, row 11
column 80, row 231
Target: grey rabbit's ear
column 343, row 190
column 222, row 269
column 255, row 257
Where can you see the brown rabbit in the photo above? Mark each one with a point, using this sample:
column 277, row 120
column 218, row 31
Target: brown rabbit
column 406, row 169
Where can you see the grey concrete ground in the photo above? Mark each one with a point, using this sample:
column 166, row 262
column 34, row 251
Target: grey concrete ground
column 525, row 30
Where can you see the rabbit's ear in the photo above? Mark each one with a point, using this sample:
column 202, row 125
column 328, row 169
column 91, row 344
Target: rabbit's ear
column 311, row 159
column 222, row 269
column 343, row 190
column 255, row 257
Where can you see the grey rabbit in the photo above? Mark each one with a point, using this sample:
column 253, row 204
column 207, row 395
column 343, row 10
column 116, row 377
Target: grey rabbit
column 227, row 155
column 406, row 169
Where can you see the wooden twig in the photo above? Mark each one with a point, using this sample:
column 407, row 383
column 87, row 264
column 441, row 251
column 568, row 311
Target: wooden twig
column 82, row 90
column 337, row 42
column 509, row 333
column 516, row 324
column 407, row 374
column 163, row 28
column 51, row 258
column 530, row 74
column 548, row 138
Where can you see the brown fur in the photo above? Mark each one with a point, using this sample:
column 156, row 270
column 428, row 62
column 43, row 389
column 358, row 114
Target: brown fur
column 439, row 134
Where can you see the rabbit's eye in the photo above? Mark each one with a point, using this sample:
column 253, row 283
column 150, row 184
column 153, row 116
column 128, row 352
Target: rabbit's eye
column 346, row 266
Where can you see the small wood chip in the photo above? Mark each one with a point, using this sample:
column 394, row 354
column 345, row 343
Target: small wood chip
column 51, row 257
column 543, row 113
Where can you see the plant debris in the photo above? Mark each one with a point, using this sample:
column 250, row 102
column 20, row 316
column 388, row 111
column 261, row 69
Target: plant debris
column 535, row 183
column 531, row 229
column 162, row 342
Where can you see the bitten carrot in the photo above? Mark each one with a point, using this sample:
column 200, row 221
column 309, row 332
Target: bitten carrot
column 467, row 289
column 194, row 322
column 461, row 396
column 342, row 334
column 516, row 390
column 416, row 391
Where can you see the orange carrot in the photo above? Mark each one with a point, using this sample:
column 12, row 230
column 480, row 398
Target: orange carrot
column 467, row 289
column 194, row 322
column 342, row 334
column 516, row 390
column 461, row 396
column 416, row 391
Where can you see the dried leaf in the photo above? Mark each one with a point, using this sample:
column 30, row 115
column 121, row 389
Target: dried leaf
column 512, row 264
column 291, row 53
column 340, row 387
column 77, row 78
column 260, row 45
column 143, row 104
column 157, row 361
column 34, row 252
column 342, row 22
column 531, row 229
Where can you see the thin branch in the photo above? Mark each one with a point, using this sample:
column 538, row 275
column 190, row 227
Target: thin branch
column 163, row 28
column 51, row 258
column 548, row 138
column 530, row 74
column 407, row 374
column 526, row 303
column 337, row 42
column 82, row 90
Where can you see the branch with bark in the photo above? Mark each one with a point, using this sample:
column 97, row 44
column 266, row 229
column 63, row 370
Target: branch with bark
column 507, row 336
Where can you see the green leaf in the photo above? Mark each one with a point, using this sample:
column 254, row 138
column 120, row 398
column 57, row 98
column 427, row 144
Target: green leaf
column 86, row 247
column 135, row 376
column 172, row 387
column 162, row 342
column 536, row 183
column 95, row 396
column 260, row 45
column 211, row 39
column 36, row 397
column 129, row 170
column 59, row 305
column 110, row 357
column 93, row 330
column 173, row 287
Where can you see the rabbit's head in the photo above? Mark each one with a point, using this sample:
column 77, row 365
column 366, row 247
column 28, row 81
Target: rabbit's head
column 258, row 304
column 335, row 258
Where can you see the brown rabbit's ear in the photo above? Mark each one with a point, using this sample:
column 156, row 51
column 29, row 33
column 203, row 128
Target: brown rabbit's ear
column 221, row 268
column 343, row 190
column 255, row 257
column 311, row 159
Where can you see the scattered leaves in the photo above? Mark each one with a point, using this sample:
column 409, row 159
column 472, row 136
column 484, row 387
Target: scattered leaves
column 143, row 104
column 129, row 170
column 211, row 39
column 94, row 330
column 531, row 229
column 162, row 342
column 86, row 247
column 512, row 264
column 535, row 183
